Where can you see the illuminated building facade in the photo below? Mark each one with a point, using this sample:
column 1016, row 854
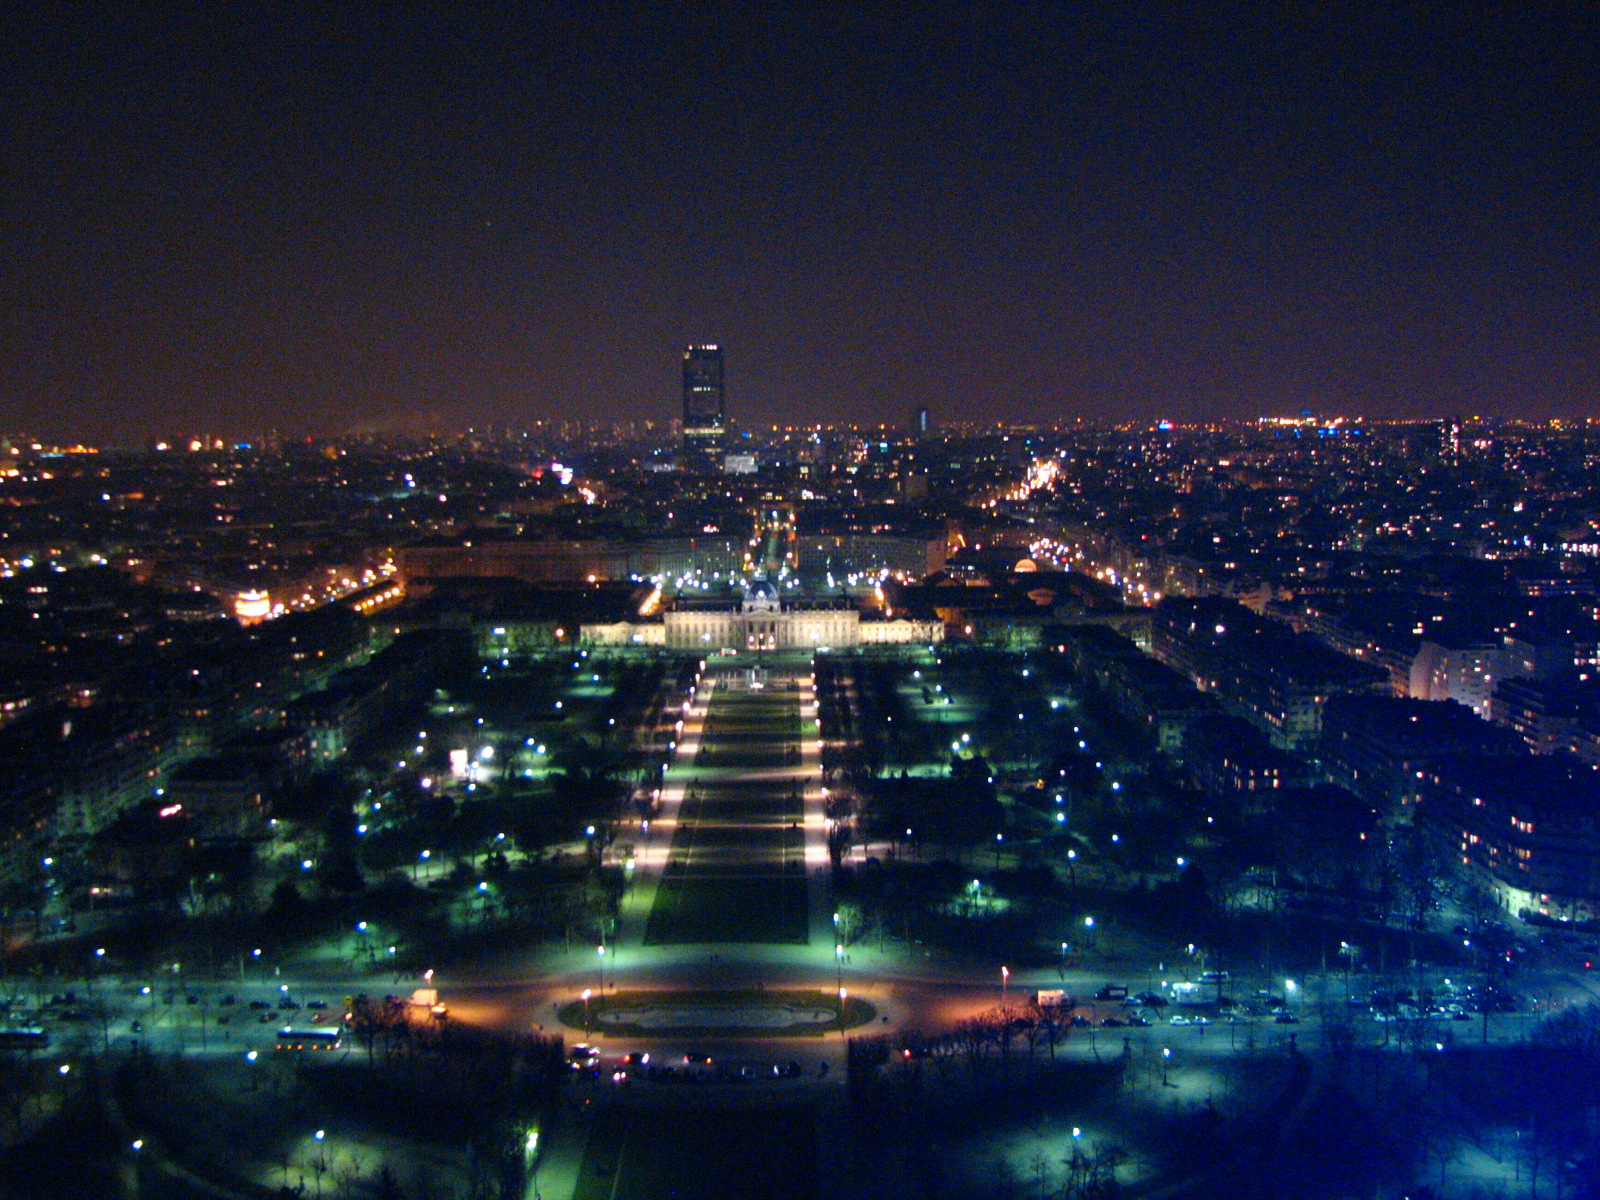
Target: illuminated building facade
column 761, row 621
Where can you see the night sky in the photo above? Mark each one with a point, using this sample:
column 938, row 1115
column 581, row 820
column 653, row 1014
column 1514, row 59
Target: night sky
column 247, row 218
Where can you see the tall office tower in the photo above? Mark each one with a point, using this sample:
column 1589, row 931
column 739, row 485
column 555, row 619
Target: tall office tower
column 921, row 422
column 704, row 412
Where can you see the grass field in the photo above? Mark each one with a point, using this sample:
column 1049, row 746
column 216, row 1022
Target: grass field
column 736, row 869
column 729, row 909
column 701, row 1152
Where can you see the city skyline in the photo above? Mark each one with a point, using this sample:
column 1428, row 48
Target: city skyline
column 1121, row 784
column 254, row 221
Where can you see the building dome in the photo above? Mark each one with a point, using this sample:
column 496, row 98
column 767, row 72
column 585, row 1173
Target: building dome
column 760, row 595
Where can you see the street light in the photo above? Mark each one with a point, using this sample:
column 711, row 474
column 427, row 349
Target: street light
column 1005, row 982
column 531, row 1150
column 1348, row 953
column 586, row 995
column 1166, row 1059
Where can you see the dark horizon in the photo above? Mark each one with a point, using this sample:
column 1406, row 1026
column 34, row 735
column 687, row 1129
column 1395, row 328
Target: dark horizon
column 238, row 223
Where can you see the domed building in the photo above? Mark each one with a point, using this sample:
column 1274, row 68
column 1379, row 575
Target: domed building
column 764, row 620
column 761, row 596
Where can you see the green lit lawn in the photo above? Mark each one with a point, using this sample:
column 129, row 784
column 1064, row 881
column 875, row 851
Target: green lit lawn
column 723, row 909
column 736, row 871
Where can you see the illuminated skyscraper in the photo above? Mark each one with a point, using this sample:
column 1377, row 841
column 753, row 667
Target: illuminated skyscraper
column 704, row 409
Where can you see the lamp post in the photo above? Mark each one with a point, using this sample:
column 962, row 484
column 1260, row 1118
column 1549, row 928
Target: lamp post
column 586, row 995
column 100, row 1006
column 1077, row 1163
column 1166, row 1059
column 1005, row 982
column 531, row 1150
